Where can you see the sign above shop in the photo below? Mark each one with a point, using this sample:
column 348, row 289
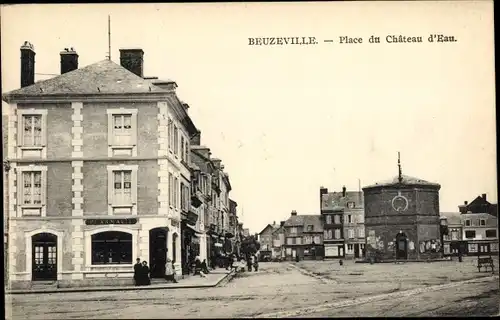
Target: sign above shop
column 110, row 221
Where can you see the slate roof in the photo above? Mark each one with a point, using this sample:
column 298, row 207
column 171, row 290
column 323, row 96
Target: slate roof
column 274, row 228
column 99, row 78
column 337, row 202
column 407, row 180
column 453, row 218
column 305, row 220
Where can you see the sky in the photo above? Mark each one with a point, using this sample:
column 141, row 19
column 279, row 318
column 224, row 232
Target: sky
column 286, row 120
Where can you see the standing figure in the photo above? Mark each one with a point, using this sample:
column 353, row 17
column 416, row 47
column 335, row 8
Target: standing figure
column 137, row 272
column 170, row 271
column 249, row 262
column 204, row 266
column 198, row 268
column 255, row 263
column 145, row 273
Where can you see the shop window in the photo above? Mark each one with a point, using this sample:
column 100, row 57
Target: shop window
column 470, row 234
column 112, row 247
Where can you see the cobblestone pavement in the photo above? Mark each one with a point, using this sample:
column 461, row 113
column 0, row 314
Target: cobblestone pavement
column 275, row 288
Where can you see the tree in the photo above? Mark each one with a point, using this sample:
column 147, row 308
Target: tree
column 250, row 245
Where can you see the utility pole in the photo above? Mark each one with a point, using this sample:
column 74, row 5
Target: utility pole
column 109, row 37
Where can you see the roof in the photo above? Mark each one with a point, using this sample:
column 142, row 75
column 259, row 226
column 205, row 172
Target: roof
column 336, row 201
column 407, row 180
column 101, row 77
column 452, row 217
column 305, row 220
column 273, row 227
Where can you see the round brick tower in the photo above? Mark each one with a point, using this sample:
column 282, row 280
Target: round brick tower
column 402, row 219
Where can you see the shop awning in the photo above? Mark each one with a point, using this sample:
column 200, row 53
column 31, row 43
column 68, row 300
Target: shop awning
column 192, row 229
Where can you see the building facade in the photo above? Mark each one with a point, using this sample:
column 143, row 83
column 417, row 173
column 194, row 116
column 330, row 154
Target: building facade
column 90, row 192
column 480, row 226
column 333, row 223
column 354, row 227
column 402, row 219
column 278, row 252
column 453, row 242
column 266, row 239
column 233, row 227
column 303, row 237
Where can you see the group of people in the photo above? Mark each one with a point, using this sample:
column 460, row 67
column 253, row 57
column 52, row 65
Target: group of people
column 142, row 272
column 242, row 263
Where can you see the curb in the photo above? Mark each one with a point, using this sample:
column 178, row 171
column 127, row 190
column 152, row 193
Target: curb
column 405, row 261
column 226, row 278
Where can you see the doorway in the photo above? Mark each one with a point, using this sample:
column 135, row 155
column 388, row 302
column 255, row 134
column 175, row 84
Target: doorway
column 157, row 252
column 401, row 246
column 356, row 250
column 44, row 259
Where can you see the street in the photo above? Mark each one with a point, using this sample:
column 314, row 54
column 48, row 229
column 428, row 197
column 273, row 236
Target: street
column 283, row 290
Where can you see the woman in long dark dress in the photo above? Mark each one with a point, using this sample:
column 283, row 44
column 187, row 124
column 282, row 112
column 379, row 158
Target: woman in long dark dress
column 145, row 274
column 137, row 272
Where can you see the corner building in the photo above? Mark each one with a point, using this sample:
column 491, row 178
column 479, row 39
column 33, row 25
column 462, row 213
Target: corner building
column 402, row 219
column 97, row 172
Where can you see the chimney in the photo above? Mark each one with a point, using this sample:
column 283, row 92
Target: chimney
column 27, row 64
column 466, row 202
column 282, row 223
column 322, row 190
column 133, row 61
column 484, row 196
column 294, row 213
column 343, row 191
column 69, row 60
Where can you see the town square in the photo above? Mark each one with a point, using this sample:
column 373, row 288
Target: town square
column 150, row 171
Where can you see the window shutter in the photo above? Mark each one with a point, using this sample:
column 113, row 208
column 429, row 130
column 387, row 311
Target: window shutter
column 134, row 128
column 110, row 133
column 110, row 187
column 134, row 186
column 44, row 132
column 44, row 187
column 20, row 127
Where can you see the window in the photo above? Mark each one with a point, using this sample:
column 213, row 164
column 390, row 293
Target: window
column 317, row 239
column 337, row 219
column 122, row 189
column 289, row 240
column 170, row 135
column 467, row 222
column 184, row 197
column 472, row 247
column 349, row 218
column 183, row 153
column 482, row 222
column 186, row 150
column 32, row 133
column 328, row 219
column 174, row 247
column 491, row 233
column 337, row 234
column 310, row 227
column 31, row 191
column 350, row 205
column 112, row 247
column 298, row 240
column 170, row 189
column 122, row 132
column 176, row 193
column 361, row 232
column 454, row 234
column 350, row 233
column 469, row 234
column 293, row 230
column 176, row 140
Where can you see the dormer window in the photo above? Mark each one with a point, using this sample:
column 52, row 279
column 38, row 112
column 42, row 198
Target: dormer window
column 351, row 205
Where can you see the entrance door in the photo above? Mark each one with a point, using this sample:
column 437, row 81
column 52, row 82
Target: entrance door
column 157, row 252
column 44, row 259
column 401, row 247
column 356, row 250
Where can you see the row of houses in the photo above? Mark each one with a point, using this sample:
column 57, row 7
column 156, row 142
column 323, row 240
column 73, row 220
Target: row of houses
column 104, row 165
column 339, row 230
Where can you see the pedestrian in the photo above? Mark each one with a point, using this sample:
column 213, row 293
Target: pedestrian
column 137, row 272
column 170, row 271
column 255, row 263
column 249, row 263
column 145, row 273
column 198, row 268
column 204, row 266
